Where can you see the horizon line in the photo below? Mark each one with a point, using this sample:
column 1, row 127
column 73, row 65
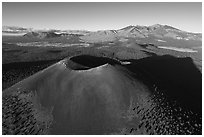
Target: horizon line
column 93, row 30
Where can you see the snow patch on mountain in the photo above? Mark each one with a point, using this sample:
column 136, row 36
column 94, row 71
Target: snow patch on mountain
column 160, row 40
column 178, row 49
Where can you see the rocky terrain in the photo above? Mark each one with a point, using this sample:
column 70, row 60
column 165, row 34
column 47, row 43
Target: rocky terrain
column 134, row 80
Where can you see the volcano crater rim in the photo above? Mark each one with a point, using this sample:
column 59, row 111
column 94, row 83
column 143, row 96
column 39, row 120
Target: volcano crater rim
column 89, row 62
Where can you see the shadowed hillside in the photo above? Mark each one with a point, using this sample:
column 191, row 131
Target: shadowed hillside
column 179, row 78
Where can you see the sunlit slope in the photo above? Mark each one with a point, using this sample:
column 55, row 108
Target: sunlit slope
column 90, row 101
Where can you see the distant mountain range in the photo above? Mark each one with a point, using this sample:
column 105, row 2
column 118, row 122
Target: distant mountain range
column 15, row 29
column 155, row 31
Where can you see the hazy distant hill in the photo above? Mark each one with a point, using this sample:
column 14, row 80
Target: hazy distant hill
column 42, row 34
column 15, row 29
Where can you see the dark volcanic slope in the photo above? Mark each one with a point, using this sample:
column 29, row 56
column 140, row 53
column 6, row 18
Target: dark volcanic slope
column 179, row 78
column 15, row 72
column 92, row 95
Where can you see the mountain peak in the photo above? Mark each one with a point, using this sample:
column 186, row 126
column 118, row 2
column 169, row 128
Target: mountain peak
column 128, row 27
column 156, row 26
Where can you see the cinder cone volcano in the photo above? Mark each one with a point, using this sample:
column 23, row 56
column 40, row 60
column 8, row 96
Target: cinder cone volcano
column 93, row 97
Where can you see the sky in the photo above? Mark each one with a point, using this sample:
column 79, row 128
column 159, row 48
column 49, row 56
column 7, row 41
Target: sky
column 102, row 16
